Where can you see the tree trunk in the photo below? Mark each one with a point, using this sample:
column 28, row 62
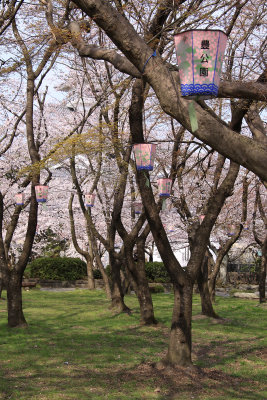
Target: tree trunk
column 262, row 274
column 16, row 317
column 106, row 283
column 179, row 351
column 90, row 275
column 204, row 289
column 146, row 305
column 141, row 288
column 1, row 283
column 117, row 296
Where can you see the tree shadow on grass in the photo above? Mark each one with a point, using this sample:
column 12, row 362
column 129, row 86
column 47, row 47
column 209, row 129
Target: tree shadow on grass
column 120, row 383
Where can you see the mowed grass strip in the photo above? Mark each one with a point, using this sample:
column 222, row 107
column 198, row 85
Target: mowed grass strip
column 76, row 348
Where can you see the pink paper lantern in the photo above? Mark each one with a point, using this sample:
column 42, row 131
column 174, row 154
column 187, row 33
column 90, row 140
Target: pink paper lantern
column 246, row 226
column 200, row 55
column 171, row 228
column 41, row 192
column 231, row 230
column 164, row 186
column 201, row 217
column 89, row 200
column 137, row 207
column 19, row 198
column 144, row 156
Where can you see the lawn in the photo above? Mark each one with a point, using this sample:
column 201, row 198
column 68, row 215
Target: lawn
column 76, row 348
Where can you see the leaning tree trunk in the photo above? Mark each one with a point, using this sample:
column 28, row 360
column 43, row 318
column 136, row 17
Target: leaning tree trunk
column 180, row 344
column 14, row 299
column 104, row 276
column 117, row 295
column 205, row 294
column 141, row 288
column 262, row 273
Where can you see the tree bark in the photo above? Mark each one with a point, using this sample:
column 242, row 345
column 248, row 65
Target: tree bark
column 205, row 293
column 117, row 295
column 103, row 272
column 180, row 343
column 262, row 274
column 141, row 288
column 90, row 275
column 14, row 299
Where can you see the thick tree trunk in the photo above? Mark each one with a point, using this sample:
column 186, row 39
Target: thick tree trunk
column 262, row 274
column 206, row 294
column 141, row 288
column 1, row 288
column 16, row 317
column 90, row 275
column 179, row 351
column 1, row 283
column 146, row 305
column 106, row 283
column 117, row 296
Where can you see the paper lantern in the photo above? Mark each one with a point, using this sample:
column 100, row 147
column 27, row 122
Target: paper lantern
column 231, row 230
column 145, row 156
column 164, row 186
column 41, row 192
column 201, row 217
column 246, row 226
column 19, row 198
column 137, row 207
column 200, row 55
column 89, row 200
column 171, row 228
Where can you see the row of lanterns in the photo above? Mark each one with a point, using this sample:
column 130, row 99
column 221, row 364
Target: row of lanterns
column 41, row 192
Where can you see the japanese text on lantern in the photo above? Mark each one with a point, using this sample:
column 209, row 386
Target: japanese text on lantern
column 204, row 71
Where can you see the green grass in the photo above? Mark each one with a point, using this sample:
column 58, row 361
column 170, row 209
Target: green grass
column 76, row 348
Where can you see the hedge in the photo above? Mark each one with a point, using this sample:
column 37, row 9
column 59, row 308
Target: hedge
column 156, row 272
column 58, row 268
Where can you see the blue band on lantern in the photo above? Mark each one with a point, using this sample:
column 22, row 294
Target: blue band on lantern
column 199, row 89
column 41, row 201
column 147, row 167
column 89, row 205
column 152, row 55
column 164, row 195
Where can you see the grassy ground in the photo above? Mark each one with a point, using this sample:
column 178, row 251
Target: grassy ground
column 75, row 348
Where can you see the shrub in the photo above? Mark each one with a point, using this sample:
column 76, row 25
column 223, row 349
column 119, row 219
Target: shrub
column 97, row 274
column 58, row 268
column 156, row 272
column 156, row 288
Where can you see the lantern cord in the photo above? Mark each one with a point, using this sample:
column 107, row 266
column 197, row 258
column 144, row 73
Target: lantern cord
column 152, row 55
column 164, row 204
column 192, row 116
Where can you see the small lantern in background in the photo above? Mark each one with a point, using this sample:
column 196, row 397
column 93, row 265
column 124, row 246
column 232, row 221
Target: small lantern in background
column 144, row 156
column 171, row 228
column 201, row 217
column 246, row 226
column 231, row 230
column 164, row 186
column 41, row 192
column 19, row 198
column 89, row 200
column 200, row 55
column 137, row 207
